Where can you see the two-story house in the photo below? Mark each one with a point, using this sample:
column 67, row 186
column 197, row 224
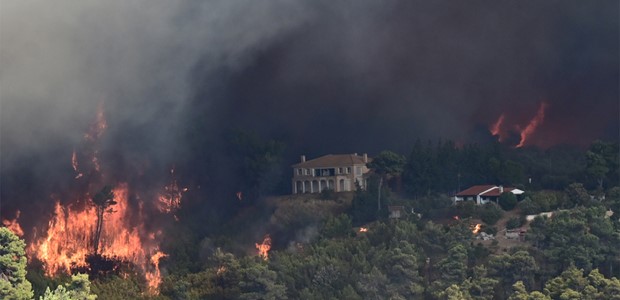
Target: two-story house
column 338, row 172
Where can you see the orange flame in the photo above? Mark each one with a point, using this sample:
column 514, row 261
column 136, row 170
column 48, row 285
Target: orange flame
column 154, row 278
column 74, row 164
column 476, row 228
column 170, row 198
column 496, row 128
column 264, row 247
column 534, row 123
column 68, row 240
column 363, row 229
column 13, row 225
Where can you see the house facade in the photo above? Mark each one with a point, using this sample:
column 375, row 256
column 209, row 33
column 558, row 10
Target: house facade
column 337, row 172
column 482, row 194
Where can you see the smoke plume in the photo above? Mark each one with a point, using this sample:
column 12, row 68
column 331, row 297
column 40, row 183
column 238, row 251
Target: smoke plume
column 324, row 76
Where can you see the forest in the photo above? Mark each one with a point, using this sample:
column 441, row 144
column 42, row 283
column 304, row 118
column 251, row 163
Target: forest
column 344, row 246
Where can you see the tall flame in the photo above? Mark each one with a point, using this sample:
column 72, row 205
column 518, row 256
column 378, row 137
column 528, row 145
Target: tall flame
column 534, row 123
column 264, row 247
column 68, row 241
column 69, row 236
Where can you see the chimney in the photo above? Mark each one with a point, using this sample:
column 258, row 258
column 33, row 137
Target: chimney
column 303, row 158
column 355, row 154
column 365, row 157
column 501, row 189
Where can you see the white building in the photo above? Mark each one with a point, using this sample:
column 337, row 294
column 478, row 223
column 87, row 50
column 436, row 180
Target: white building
column 484, row 193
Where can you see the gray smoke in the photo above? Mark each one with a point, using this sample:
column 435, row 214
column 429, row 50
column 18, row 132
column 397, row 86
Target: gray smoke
column 324, row 76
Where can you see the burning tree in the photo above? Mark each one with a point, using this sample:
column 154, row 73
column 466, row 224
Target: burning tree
column 102, row 201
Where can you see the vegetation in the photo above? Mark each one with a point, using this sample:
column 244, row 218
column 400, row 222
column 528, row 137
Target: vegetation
column 344, row 246
column 13, row 283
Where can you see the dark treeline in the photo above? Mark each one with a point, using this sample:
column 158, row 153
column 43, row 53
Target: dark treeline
column 320, row 252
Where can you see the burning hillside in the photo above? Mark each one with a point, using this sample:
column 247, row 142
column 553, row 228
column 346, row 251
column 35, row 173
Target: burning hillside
column 103, row 225
column 503, row 130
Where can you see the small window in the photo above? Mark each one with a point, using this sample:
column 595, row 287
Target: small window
column 340, row 171
column 348, row 170
column 299, row 172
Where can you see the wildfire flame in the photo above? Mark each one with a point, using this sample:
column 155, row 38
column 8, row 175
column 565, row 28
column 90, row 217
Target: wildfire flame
column 264, row 247
column 154, row 278
column 75, row 165
column 497, row 126
column 13, row 225
column 499, row 130
column 363, row 229
column 69, row 239
column 170, row 198
column 476, row 228
column 534, row 123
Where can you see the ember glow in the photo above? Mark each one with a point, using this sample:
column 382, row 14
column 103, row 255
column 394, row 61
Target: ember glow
column 264, row 247
column 534, row 123
column 363, row 229
column 13, row 225
column 170, row 198
column 476, row 228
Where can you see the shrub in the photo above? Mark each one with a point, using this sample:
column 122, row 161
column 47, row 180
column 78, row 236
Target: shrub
column 490, row 213
column 507, row 201
column 529, row 207
column 514, row 223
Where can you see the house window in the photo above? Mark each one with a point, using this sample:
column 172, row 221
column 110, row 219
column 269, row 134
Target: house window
column 340, row 171
column 348, row 170
column 299, row 172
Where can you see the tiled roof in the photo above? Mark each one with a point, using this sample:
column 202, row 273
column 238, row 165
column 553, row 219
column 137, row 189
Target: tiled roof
column 495, row 192
column 333, row 160
column 484, row 190
column 475, row 190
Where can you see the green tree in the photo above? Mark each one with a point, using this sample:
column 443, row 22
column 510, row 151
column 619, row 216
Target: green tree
column 571, row 284
column 77, row 289
column 602, row 162
column 480, row 286
column 507, row 201
column 257, row 162
column 490, row 213
column 520, row 293
column 576, row 195
column 256, row 281
column 13, row 283
column 510, row 268
column 387, row 164
column 452, row 269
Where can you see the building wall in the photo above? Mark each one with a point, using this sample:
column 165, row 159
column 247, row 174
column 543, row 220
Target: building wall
column 342, row 179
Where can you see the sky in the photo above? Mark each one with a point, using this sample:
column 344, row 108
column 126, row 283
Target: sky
column 174, row 77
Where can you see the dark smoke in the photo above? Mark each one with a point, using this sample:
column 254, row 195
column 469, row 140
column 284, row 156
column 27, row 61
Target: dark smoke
column 175, row 78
